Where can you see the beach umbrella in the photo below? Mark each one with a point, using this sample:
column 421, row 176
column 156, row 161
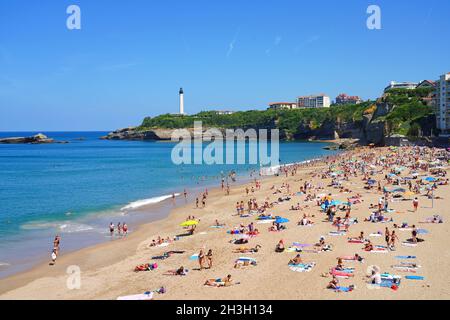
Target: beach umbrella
column 281, row 220
column 189, row 223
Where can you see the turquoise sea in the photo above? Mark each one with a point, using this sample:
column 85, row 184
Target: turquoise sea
column 76, row 189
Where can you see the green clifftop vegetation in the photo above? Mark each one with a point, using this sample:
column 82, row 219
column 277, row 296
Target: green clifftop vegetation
column 406, row 112
column 282, row 119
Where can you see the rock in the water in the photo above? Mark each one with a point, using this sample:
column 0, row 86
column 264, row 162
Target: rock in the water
column 36, row 139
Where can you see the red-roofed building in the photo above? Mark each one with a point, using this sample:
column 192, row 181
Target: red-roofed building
column 346, row 99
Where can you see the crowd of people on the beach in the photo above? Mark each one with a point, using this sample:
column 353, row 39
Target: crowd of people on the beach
column 328, row 196
column 397, row 174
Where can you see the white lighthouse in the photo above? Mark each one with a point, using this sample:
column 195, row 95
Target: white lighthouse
column 181, row 101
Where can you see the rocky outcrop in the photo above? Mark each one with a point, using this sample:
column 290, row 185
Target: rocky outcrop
column 36, row 139
column 133, row 133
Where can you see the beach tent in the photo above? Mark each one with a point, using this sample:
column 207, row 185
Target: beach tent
column 371, row 181
column 189, row 223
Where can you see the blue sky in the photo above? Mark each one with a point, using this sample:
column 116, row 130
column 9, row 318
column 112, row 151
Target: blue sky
column 130, row 57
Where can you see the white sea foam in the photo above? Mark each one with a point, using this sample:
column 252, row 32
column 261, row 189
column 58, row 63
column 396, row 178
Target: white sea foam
column 146, row 202
column 63, row 227
column 74, row 227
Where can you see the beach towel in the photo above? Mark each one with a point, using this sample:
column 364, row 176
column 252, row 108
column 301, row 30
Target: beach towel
column 346, row 273
column 356, row 241
column 303, row 267
column 414, row 278
column 217, row 227
column 243, row 260
column 349, row 258
column 405, row 257
column 379, row 250
column 194, row 257
column 344, row 289
column 375, row 235
column 337, row 233
column 410, row 264
column 144, row 296
column 165, row 244
column 409, row 244
column 265, row 221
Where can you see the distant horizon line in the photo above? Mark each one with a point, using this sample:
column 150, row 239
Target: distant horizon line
column 53, row 131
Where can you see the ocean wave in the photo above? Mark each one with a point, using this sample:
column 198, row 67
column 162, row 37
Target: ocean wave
column 63, row 227
column 145, row 202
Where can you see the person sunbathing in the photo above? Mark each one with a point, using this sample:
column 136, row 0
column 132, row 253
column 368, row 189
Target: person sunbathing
column 368, row 246
column 280, row 247
column 247, row 250
column 217, row 224
column 142, row 267
column 297, row 260
column 181, row 271
column 321, row 243
column 225, row 282
column 253, row 233
column 239, row 241
column 164, row 256
column 340, row 265
column 333, row 284
column 146, row 267
column 244, row 263
column 358, row 258
column 305, row 221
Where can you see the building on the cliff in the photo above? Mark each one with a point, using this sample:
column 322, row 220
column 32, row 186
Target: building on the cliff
column 401, row 85
column 442, row 104
column 314, row 101
column 343, row 98
column 283, row 105
column 426, row 84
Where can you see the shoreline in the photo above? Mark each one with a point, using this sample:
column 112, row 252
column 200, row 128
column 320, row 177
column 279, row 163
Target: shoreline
column 40, row 269
column 16, row 263
column 107, row 269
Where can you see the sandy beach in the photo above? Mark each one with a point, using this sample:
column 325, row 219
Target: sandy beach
column 107, row 270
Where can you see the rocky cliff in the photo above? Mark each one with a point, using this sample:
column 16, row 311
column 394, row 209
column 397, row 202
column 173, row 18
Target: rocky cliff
column 369, row 127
